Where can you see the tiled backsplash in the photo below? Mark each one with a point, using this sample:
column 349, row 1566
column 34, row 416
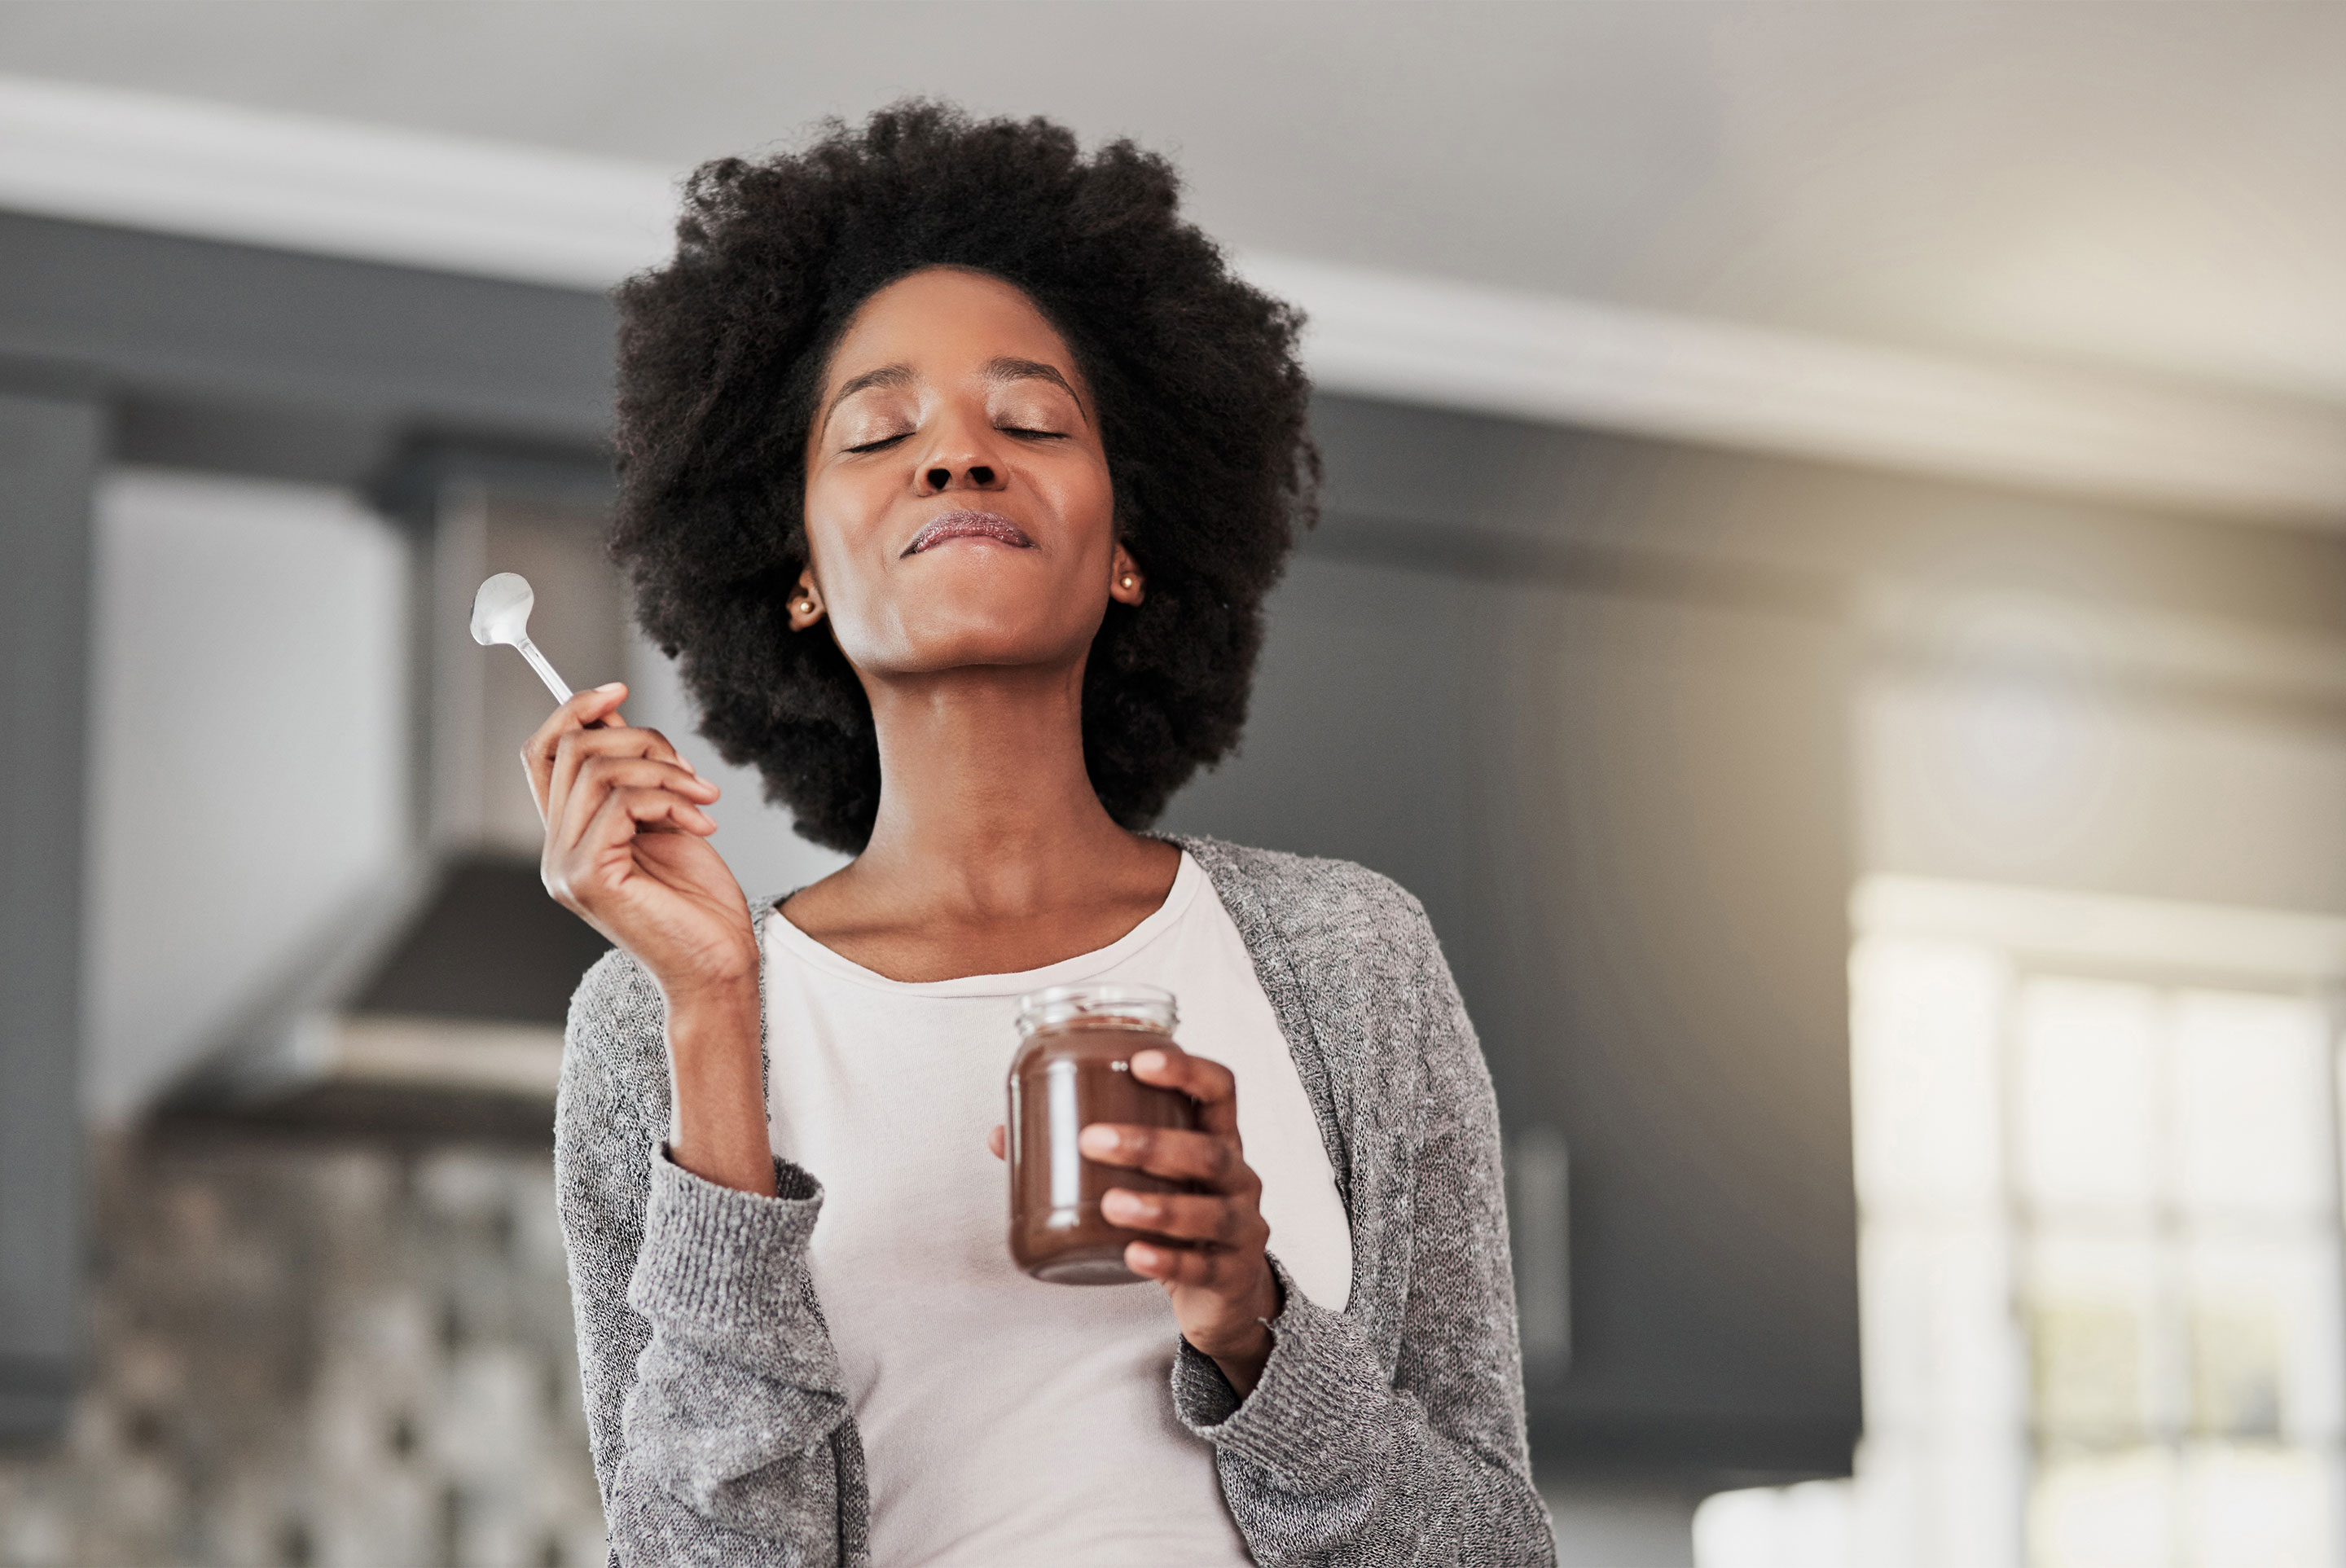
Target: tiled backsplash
column 306, row 1352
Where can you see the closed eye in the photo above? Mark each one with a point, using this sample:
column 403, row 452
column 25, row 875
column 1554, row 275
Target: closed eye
column 1032, row 435
column 882, row 444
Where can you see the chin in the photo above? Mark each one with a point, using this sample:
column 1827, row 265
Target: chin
column 992, row 637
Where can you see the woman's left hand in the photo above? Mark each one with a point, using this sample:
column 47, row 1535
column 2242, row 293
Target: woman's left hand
column 1222, row 1285
column 1222, row 1289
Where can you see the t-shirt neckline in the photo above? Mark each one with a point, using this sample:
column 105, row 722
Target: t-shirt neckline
column 785, row 938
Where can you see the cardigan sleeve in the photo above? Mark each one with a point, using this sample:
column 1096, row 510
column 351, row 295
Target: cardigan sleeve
column 714, row 1399
column 1330, row 1460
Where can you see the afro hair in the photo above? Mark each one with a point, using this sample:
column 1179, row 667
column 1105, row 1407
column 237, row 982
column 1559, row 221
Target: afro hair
column 1201, row 404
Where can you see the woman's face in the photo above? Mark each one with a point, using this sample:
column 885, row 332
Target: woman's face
column 958, row 506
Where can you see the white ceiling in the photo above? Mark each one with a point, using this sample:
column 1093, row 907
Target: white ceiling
column 2148, row 186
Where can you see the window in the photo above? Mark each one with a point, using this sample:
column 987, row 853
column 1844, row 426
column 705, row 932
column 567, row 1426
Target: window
column 2177, row 1262
column 2098, row 1182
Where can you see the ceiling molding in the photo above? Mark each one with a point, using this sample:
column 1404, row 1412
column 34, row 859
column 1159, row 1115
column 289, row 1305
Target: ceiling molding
column 1720, row 382
column 333, row 188
column 501, row 211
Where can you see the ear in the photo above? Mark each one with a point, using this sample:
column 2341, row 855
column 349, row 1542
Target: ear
column 1124, row 580
column 805, row 602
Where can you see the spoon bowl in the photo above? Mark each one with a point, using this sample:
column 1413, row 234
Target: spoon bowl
column 501, row 607
column 501, row 610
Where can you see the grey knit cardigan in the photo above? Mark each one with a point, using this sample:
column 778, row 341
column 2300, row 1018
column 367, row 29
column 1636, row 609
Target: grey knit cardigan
column 1389, row 1433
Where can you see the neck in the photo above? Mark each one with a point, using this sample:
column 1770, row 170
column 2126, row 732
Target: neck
column 984, row 803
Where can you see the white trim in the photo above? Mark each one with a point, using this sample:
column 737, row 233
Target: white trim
column 334, row 187
column 2060, row 924
column 422, row 199
column 1724, row 384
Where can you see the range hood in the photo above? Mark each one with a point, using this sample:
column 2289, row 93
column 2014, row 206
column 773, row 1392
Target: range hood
column 435, row 1003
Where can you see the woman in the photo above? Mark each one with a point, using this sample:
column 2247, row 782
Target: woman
column 955, row 467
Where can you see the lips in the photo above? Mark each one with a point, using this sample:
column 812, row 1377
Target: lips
column 969, row 525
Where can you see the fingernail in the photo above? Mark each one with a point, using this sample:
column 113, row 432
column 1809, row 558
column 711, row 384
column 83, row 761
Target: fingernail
column 1119, row 1204
column 1150, row 1061
column 610, row 686
column 1098, row 1140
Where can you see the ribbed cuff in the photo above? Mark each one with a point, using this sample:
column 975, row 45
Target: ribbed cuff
column 1302, row 1426
column 1202, row 1395
column 720, row 1264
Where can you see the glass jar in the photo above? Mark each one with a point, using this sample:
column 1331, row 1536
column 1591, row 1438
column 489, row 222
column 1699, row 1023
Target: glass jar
column 1074, row 1067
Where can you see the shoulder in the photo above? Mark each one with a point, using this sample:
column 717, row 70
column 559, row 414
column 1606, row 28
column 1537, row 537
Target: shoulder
column 1311, row 900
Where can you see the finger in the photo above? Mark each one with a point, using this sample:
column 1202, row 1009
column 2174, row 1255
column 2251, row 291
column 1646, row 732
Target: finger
column 624, row 814
column 598, row 776
column 653, row 807
column 1213, row 1221
column 1202, row 1267
column 608, row 769
column 1201, row 1078
column 609, row 718
column 605, row 855
column 1173, row 1153
column 574, row 748
column 537, row 751
column 574, row 743
column 994, row 1140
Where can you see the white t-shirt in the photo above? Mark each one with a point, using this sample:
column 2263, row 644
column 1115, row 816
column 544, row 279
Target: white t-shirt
column 1006, row 1421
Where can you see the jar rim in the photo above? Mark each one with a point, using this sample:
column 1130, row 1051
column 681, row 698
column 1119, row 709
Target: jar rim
column 1060, row 1003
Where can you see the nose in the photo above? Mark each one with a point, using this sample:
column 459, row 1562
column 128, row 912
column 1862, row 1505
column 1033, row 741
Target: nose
column 967, row 474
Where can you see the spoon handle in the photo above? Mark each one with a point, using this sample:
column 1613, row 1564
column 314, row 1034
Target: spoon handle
column 545, row 671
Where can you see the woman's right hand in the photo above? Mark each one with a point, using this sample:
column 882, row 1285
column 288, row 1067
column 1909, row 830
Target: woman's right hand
column 627, row 847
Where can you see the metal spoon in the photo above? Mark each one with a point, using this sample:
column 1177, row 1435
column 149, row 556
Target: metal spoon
column 501, row 615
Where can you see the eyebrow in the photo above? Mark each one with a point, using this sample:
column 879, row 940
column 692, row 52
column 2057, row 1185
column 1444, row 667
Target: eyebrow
column 885, row 376
column 1002, row 369
column 1015, row 370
